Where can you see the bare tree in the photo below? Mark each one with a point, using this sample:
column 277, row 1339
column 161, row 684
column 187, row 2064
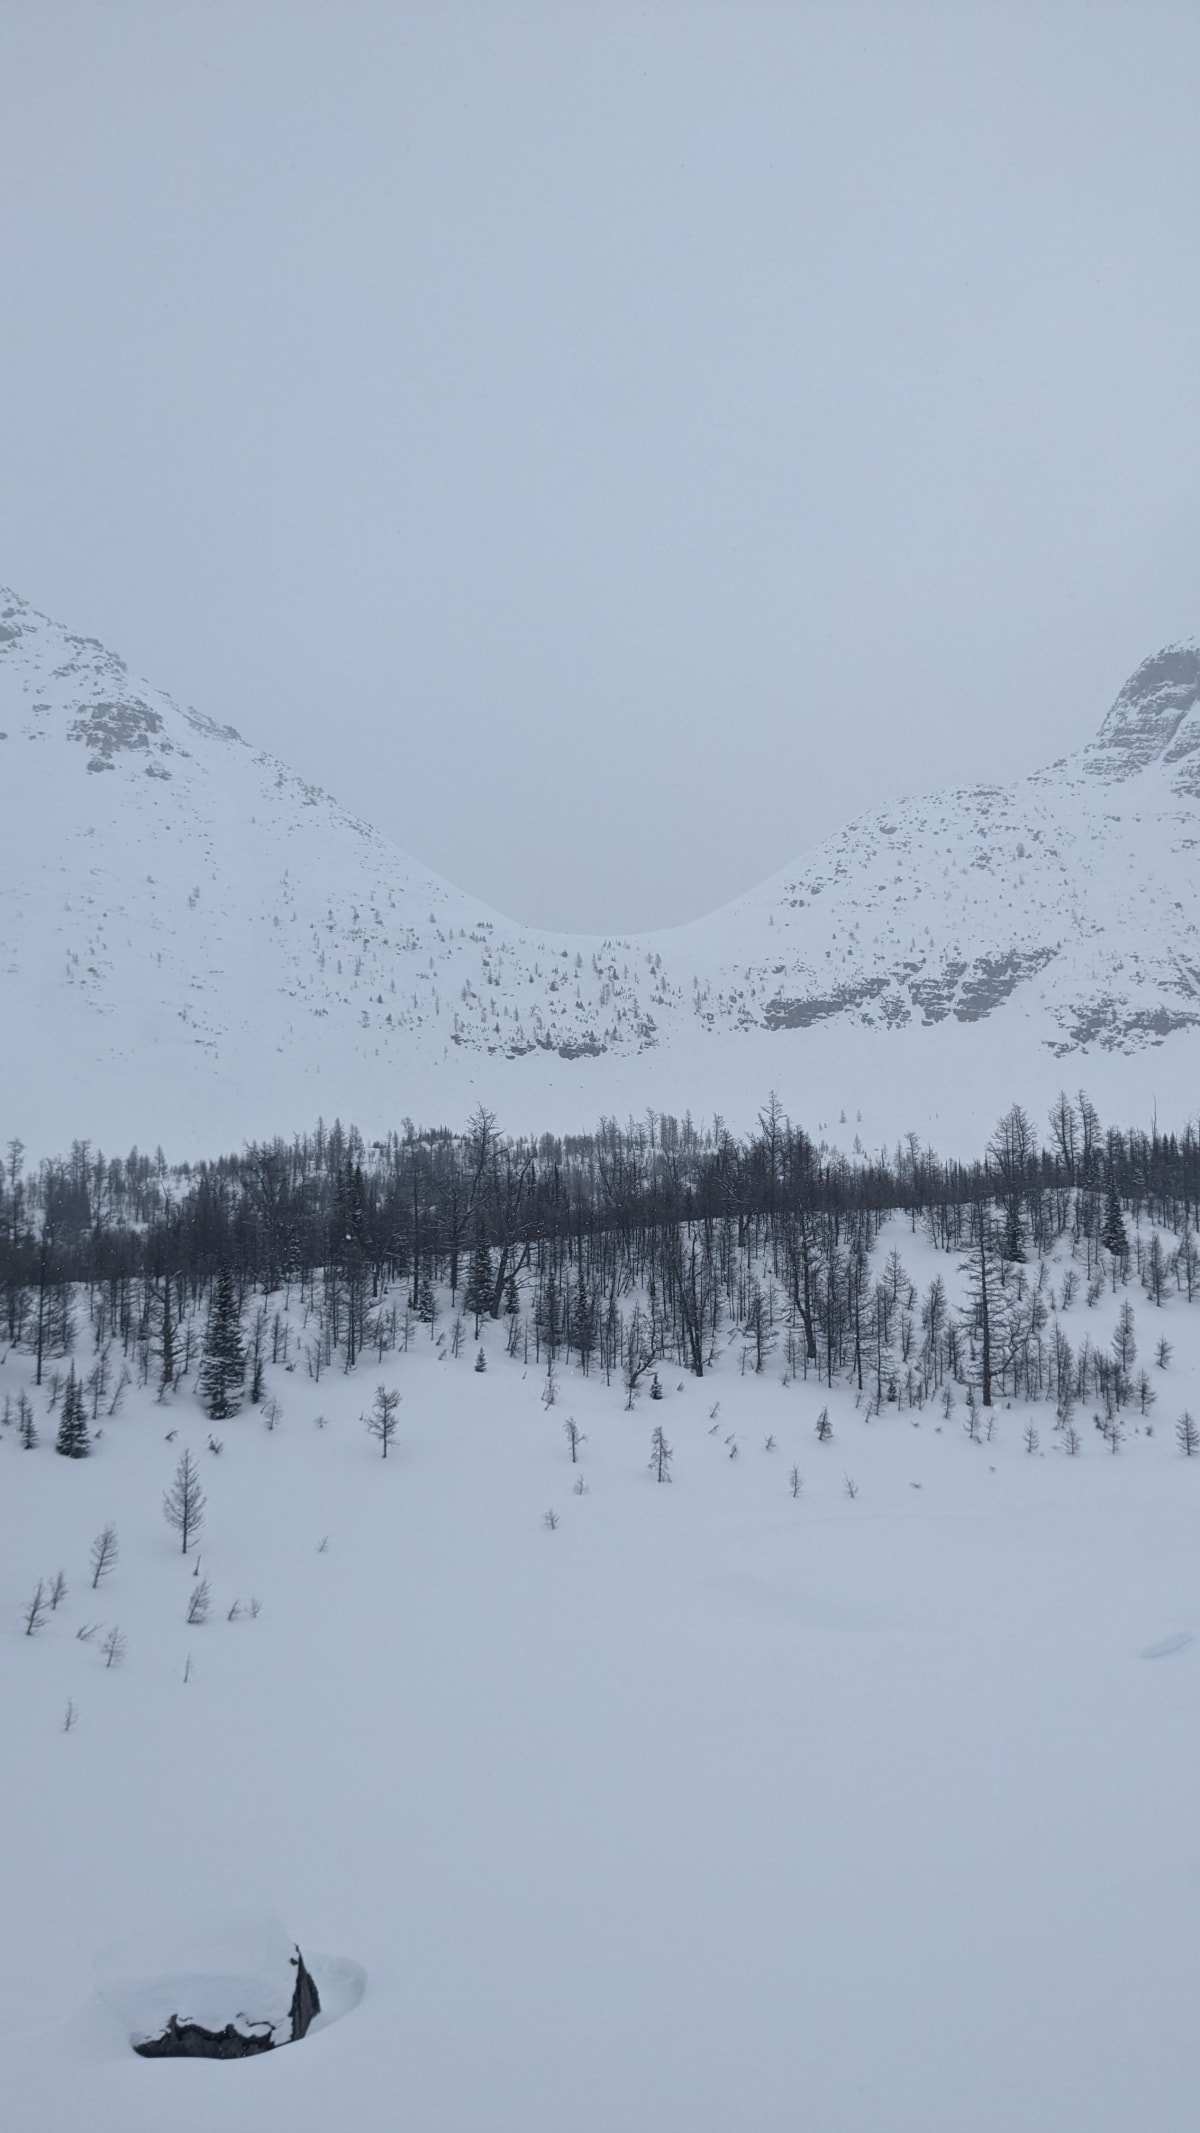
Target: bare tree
column 1124, row 1345
column 104, row 1554
column 1187, row 1436
column 1010, row 1153
column 661, row 1456
column 574, row 1436
column 794, row 1482
column 34, row 1612
column 199, row 1602
column 637, row 1354
column 58, row 1589
column 183, row 1503
column 1187, row 1260
column 980, row 1268
column 113, row 1647
column 382, row 1421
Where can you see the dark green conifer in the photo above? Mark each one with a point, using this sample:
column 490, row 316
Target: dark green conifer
column 73, row 1440
column 224, row 1365
column 478, row 1295
column 1113, row 1236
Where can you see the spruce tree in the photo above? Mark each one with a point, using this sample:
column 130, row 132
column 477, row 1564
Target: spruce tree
column 166, row 1338
column 478, row 1295
column 73, row 1440
column 224, row 1365
column 1113, row 1235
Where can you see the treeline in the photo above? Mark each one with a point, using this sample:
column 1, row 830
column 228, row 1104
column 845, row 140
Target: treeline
column 615, row 1251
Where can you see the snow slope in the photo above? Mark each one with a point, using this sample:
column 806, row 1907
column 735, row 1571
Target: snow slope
column 710, row 1809
column 197, row 945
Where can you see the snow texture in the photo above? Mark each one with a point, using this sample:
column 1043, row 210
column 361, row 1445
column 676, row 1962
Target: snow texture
column 708, row 1808
column 212, row 1970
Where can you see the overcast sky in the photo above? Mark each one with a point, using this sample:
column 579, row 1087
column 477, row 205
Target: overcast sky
column 608, row 446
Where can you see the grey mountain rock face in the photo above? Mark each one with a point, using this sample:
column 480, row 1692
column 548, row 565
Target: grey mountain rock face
column 1156, row 718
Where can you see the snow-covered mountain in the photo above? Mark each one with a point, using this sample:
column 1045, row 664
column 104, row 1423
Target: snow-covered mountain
column 1068, row 896
column 194, row 941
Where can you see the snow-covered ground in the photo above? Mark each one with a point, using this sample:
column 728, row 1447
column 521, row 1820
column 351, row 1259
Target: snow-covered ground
column 623, row 1808
column 706, row 1808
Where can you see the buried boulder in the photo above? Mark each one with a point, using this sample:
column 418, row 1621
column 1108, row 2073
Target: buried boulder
column 306, row 2000
column 224, row 1988
column 190, row 2040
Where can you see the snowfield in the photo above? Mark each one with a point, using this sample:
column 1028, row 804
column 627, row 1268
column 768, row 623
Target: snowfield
column 822, row 1766
column 700, row 1808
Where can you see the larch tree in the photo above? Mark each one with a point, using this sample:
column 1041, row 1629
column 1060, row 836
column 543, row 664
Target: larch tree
column 382, row 1421
column 183, row 1502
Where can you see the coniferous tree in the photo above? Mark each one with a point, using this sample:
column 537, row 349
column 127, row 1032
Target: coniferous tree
column 1113, row 1236
column 73, row 1440
column 166, row 1338
column 224, row 1365
column 480, row 1280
